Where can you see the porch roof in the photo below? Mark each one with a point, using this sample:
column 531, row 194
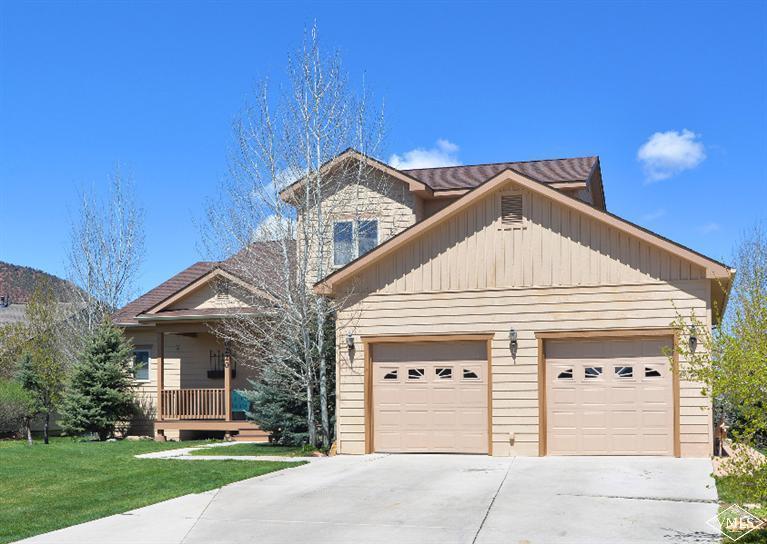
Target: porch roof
column 262, row 255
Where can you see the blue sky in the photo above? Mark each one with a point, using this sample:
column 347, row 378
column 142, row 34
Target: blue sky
column 155, row 86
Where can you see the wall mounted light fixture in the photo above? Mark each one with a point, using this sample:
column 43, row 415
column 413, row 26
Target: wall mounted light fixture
column 349, row 340
column 693, row 338
column 513, row 344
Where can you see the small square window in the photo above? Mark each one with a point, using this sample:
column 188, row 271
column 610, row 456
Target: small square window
column 416, row 373
column 469, row 374
column 566, row 374
column 592, row 372
column 650, row 372
column 444, row 373
column 624, row 372
column 141, row 365
column 391, row 375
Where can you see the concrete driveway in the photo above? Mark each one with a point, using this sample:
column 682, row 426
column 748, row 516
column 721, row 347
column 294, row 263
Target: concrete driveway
column 443, row 499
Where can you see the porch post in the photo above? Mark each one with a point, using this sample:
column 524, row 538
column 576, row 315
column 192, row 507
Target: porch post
column 160, row 372
column 228, row 384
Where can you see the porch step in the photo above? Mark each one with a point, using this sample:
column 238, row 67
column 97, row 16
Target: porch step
column 251, row 435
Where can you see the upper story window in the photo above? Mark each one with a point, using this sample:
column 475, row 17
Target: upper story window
column 141, row 365
column 352, row 239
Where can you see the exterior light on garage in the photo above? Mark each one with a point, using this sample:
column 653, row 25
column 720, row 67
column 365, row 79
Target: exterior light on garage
column 513, row 345
column 693, row 338
column 349, row 340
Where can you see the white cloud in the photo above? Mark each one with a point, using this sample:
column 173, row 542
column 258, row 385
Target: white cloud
column 274, row 227
column 653, row 215
column 444, row 153
column 666, row 154
column 708, row 228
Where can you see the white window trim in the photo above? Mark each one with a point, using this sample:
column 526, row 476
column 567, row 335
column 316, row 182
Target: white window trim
column 355, row 237
column 148, row 365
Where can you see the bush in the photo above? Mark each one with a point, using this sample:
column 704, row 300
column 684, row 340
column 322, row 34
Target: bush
column 16, row 406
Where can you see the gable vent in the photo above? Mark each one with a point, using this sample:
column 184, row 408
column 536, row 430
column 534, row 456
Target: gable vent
column 511, row 211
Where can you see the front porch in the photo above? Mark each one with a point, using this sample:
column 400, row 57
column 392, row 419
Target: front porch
column 187, row 355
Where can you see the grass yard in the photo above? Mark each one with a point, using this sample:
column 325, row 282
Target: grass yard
column 732, row 491
column 43, row 488
column 254, row 449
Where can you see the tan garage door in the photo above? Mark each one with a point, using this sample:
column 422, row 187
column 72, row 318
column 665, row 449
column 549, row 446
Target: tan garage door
column 609, row 397
column 430, row 397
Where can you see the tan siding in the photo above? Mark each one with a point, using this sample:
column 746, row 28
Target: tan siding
column 384, row 198
column 564, row 271
column 206, row 297
column 515, row 383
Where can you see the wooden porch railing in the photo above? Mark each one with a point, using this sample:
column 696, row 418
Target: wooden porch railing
column 194, row 404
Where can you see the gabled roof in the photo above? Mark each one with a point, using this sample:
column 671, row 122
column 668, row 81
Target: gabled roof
column 413, row 183
column 128, row 313
column 151, row 304
column 714, row 269
column 578, row 169
column 427, row 181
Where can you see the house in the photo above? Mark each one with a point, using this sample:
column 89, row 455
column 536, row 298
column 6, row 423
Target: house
column 187, row 378
column 497, row 309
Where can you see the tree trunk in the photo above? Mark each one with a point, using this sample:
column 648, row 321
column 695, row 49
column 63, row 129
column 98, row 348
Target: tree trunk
column 45, row 426
column 28, row 429
column 310, row 415
column 324, row 416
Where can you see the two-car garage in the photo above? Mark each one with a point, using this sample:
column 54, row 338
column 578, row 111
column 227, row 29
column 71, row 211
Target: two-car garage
column 598, row 396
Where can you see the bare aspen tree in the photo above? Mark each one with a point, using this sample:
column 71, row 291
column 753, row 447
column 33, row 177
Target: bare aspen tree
column 276, row 214
column 105, row 253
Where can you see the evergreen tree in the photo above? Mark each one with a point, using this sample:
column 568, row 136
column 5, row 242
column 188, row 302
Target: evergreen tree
column 277, row 409
column 100, row 394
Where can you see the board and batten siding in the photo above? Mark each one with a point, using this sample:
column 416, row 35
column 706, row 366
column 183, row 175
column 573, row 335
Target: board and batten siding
column 562, row 271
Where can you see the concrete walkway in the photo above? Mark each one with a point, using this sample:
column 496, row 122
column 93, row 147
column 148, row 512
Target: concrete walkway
column 423, row 499
column 186, row 455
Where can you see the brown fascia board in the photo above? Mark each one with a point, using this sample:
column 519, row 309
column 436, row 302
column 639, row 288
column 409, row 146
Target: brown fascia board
column 595, row 177
column 714, row 269
column 414, row 185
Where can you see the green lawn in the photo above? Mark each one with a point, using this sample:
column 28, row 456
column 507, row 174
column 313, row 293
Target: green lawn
column 67, row 482
column 733, row 491
column 254, row 449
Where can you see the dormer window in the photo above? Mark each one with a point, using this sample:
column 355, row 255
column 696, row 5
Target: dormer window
column 352, row 239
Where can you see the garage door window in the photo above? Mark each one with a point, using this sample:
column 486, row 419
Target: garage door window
column 391, row 375
column 469, row 374
column 566, row 374
column 624, row 372
column 444, row 373
column 592, row 372
column 415, row 373
column 650, row 372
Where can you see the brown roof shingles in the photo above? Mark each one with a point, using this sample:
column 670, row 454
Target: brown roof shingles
column 468, row 177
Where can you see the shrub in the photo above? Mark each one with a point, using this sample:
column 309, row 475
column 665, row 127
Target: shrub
column 16, row 406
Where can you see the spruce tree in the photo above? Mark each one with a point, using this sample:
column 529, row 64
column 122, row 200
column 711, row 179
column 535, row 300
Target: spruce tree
column 100, row 393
